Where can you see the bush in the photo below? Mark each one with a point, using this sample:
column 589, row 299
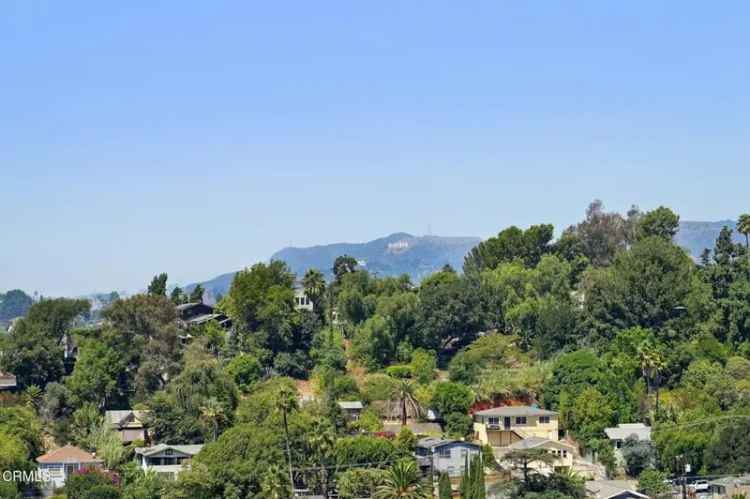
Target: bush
column 359, row 482
column 245, row 370
column 423, row 365
column 399, row 371
column 458, row 425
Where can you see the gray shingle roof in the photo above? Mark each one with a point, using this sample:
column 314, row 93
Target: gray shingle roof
column 433, row 442
column 185, row 449
column 623, row 431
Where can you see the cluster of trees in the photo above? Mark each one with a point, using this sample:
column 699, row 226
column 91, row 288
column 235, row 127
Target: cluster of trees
column 610, row 323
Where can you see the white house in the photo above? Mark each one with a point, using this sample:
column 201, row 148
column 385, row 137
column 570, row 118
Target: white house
column 166, row 459
column 301, row 300
column 622, row 432
column 61, row 463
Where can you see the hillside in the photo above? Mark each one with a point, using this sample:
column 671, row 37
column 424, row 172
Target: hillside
column 393, row 255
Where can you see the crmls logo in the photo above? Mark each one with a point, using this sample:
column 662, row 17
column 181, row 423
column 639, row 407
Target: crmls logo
column 26, row 476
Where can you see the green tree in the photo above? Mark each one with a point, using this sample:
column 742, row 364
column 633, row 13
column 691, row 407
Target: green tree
column 314, row 284
column 33, row 350
column 661, row 222
column 402, row 481
column 246, row 370
column 638, row 455
column 196, row 295
column 343, row 265
column 409, row 405
column 510, row 244
column 653, row 483
column 423, row 365
column 743, row 227
column 177, row 296
column 177, row 413
column 158, row 285
column 521, row 459
column 95, row 376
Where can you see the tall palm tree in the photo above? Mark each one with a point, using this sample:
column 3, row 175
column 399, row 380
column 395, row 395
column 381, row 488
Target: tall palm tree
column 315, row 286
column 402, row 481
column 652, row 365
column 743, row 227
column 408, row 403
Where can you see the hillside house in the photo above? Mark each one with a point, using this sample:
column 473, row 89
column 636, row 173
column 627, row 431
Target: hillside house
column 301, row 300
column 351, row 409
column 622, row 432
column 563, row 453
column 197, row 314
column 63, row 462
column 613, row 489
column 435, row 455
column 128, row 424
column 503, row 426
column 166, row 460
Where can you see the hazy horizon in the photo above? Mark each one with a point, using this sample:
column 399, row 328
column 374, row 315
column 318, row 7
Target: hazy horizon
column 138, row 138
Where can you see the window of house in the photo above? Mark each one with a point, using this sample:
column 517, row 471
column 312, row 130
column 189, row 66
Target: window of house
column 169, row 452
column 543, row 419
column 444, row 452
column 521, row 420
column 565, row 453
column 494, row 421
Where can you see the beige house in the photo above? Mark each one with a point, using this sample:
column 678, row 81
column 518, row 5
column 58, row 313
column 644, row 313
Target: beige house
column 562, row 452
column 128, row 424
column 503, row 426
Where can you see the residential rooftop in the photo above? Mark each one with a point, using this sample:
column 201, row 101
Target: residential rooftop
column 68, row 454
column 518, row 410
column 625, row 430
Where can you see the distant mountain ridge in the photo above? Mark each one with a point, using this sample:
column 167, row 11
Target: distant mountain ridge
column 420, row 256
column 393, row 255
column 697, row 236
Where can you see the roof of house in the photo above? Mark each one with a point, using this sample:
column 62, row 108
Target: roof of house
column 126, row 417
column 623, row 431
column 351, row 405
column 434, row 442
column 185, row 449
column 604, row 489
column 187, row 306
column 518, row 410
column 534, row 442
column 68, row 454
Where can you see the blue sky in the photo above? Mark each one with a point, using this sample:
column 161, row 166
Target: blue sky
column 198, row 137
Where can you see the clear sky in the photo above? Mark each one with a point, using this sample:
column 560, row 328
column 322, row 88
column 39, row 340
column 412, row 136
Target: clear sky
column 198, row 137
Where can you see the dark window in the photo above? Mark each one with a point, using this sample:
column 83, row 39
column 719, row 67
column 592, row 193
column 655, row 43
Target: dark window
column 543, row 419
column 521, row 420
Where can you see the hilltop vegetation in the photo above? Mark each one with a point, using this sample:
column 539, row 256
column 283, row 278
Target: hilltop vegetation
column 611, row 323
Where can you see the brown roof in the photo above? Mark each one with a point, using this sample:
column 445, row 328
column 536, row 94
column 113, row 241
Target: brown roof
column 68, row 454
